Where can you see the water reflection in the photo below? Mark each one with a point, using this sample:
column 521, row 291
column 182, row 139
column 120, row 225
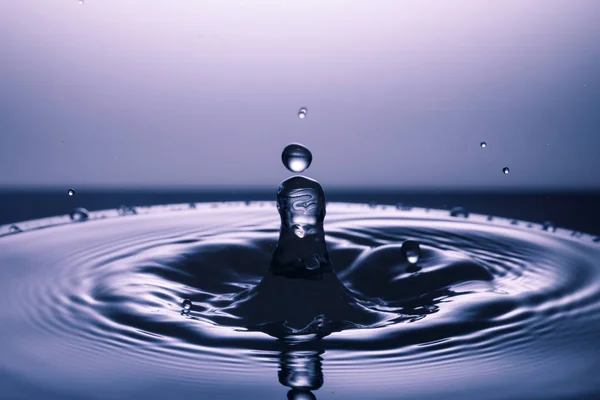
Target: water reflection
column 300, row 367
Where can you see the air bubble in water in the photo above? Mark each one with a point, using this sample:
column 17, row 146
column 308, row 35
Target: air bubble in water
column 459, row 212
column 483, row 145
column 79, row 214
column 14, row 229
column 506, row 170
column 302, row 113
column 186, row 304
column 549, row 226
column 411, row 251
column 296, row 157
column 71, row 192
column 126, row 210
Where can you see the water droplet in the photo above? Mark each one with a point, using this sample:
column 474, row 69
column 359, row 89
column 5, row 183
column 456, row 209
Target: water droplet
column 411, row 251
column 79, row 214
column 296, row 157
column 459, row 212
column 126, row 210
column 186, row 304
column 483, row 145
column 506, row 170
column 14, row 229
column 302, row 113
column 549, row 226
column 71, row 192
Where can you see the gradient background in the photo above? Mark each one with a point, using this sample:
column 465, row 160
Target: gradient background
column 183, row 93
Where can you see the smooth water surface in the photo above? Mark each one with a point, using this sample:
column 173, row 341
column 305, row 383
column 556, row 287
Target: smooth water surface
column 417, row 304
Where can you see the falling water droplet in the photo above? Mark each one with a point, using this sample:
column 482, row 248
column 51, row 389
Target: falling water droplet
column 549, row 226
column 459, row 212
column 71, row 192
column 14, row 229
column 295, row 394
column 506, row 170
column 411, row 251
column 483, row 145
column 302, row 113
column 79, row 214
column 296, row 157
column 186, row 304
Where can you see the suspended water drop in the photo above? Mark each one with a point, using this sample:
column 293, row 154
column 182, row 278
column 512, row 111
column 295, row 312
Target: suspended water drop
column 14, row 229
column 296, row 157
column 186, row 304
column 71, row 192
column 411, row 251
column 302, row 113
column 549, row 226
column 79, row 214
column 459, row 212
column 295, row 394
column 506, row 170
column 483, row 145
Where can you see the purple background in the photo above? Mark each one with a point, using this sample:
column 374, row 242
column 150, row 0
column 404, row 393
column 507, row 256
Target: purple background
column 137, row 93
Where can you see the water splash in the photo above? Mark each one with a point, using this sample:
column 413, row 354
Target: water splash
column 296, row 157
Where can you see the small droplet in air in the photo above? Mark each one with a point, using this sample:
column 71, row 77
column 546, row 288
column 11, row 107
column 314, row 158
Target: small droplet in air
column 14, row 229
column 71, row 192
column 302, row 113
column 505, row 170
column 187, row 304
column 296, row 157
column 411, row 251
column 483, row 145
column 79, row 214
column 549, row 226
column 459, row 212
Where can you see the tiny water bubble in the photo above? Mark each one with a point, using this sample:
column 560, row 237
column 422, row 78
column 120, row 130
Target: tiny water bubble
column 411, row 251
column 506, row 170
column 549, row 226
column 483, row 145
column 296, row 157
column 71, row 192
column 302, row 113
column 14, row 229
column 126, row 210
column 186, row 304
column 459, row 212
column 79, row 214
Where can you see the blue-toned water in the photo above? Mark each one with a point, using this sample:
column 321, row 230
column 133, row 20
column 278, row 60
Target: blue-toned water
column 92, row 308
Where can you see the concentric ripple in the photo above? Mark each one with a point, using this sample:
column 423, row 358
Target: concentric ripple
column 92, row 309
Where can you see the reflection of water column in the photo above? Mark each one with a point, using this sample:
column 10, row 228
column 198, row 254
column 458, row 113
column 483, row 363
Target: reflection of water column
column 300, row 368
column 301, row 251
